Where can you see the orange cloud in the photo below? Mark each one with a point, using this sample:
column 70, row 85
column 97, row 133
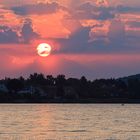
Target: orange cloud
column 51, row 25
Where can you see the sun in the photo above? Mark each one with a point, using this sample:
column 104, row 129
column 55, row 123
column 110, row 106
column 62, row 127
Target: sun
column 44, row 49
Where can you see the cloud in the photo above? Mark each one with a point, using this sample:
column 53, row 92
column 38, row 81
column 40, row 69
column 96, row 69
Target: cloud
column 102, row 12
column 115, row 41
column 1, row 16
column 77, row 41
column 116, row 33
column 27, row 32
column 134, row 24
column 127, row 9
column 84, row 11
column 106, row 13
column 7, row 35
column 109, row 39
column 90, row 11
column 40, row 8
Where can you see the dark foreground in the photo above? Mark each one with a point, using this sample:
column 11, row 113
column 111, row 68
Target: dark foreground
column 38, row 88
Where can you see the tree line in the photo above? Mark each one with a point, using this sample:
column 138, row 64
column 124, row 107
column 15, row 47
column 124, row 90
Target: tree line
column 62, row 88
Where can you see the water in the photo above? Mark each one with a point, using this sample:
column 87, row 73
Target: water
column 69, row 122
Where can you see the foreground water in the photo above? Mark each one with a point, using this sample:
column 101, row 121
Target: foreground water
column 69, row 122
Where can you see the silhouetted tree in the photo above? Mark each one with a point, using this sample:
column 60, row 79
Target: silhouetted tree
column 50, row 80
column 134, row 88
column 37, row 79
column 83, row 88
column 60, row 82
column 14, row 85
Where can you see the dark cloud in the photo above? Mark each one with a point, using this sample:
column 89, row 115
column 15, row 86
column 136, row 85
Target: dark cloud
column 115, row 41
column 125, row 9
column 106, row 13
column 84, row 11
column 40, row 8
column 7, row 35
column 134, row 24
column 77, row 42
column 27, row 32
column 90, row 11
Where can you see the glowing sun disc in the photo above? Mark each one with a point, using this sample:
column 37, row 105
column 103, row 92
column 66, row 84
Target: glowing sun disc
column 44, row 49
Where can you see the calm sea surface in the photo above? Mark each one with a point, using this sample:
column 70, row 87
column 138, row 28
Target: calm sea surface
column 69, row 122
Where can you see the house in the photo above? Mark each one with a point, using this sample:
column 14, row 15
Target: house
column 27, row 90
column 3, row 88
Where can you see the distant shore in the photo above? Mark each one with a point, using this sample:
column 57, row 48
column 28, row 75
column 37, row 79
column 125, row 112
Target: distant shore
column 38, row 88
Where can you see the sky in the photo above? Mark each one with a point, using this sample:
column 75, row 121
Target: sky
column 94, row 38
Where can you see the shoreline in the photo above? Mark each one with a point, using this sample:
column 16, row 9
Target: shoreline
column 80, row 101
